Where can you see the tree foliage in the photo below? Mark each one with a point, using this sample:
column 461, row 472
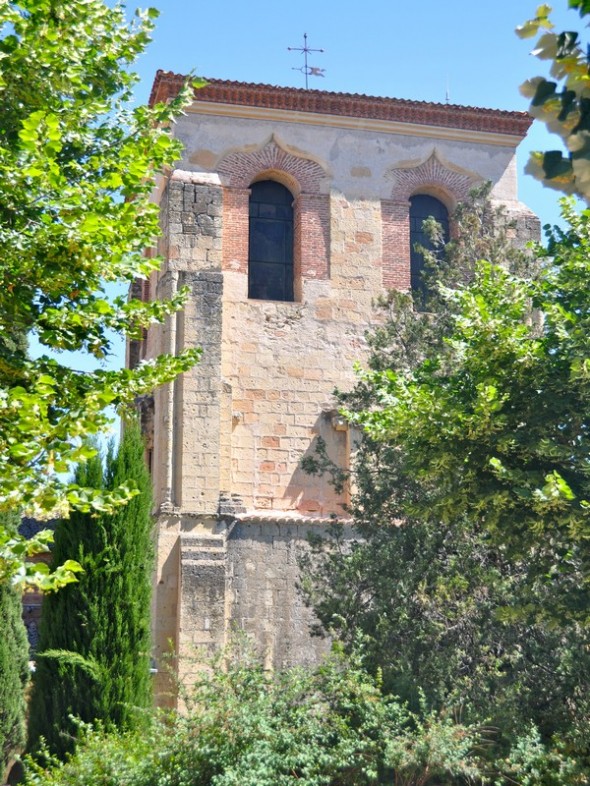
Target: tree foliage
column 561, row 102
column 77, row 165
column 14, row 666
column 471, row 578
column 94, row 650
column 495, row 427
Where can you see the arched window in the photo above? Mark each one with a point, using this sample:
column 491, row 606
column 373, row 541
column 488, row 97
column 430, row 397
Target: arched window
column 270, row 247
column 423, row 206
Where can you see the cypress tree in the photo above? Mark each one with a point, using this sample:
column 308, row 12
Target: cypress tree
column 14, row 646
column 14, row 666
column 93, row 660
column 127, row 598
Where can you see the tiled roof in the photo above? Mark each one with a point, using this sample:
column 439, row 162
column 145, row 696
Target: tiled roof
column 469, row 118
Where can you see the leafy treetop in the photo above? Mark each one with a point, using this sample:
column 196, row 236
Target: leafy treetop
column 77, row 166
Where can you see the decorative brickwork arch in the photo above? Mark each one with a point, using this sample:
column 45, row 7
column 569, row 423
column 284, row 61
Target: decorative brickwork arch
column 447, row 183
column 432, row 177
column 300, row 175
column 311, row 209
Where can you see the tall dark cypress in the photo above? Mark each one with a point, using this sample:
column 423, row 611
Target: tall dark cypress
column 94, row 649
column 126, row 598
column 14, row 647
column 14, row 666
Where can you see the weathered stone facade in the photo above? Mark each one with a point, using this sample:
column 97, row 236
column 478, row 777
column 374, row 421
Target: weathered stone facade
column 226, row 440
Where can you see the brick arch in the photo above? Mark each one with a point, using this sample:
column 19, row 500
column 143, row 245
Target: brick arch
column 432, row 177
column 311, row 209
column 280, row 176
column 300, row 175
column 448, row 184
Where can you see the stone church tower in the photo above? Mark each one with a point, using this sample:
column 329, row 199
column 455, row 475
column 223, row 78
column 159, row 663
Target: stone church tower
column 290, row 211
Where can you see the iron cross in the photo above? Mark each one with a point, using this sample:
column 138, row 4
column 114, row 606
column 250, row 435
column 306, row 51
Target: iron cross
column 306, row 69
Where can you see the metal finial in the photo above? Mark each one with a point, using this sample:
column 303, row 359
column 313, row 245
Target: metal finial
column 305, row 69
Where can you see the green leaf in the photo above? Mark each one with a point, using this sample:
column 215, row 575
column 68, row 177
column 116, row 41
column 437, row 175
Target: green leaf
column 545, row 90
column 76, row 179
column 556, row 166
column 582, row 5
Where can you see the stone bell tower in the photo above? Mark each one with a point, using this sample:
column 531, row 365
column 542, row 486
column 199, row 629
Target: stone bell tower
column 289, row 213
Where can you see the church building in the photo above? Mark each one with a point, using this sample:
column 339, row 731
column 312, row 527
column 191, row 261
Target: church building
column 290, row 212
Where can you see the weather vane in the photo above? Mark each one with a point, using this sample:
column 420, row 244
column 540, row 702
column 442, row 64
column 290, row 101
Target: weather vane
column 306, row 69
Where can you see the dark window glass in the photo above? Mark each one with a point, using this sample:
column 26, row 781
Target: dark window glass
column 270, row 252
column 422, row 207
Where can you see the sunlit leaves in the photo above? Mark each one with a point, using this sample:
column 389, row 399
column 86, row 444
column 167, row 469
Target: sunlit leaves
column 541, row 21
column 77, row 165
column 18, row 564
column 563, row 105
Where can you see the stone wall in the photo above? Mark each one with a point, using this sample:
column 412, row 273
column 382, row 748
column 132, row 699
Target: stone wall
column 238, row 573
column 264, row 596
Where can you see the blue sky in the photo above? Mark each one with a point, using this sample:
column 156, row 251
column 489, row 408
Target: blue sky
column 395, row 48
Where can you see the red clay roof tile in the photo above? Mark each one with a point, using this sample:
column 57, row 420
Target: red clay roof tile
column 218, row 91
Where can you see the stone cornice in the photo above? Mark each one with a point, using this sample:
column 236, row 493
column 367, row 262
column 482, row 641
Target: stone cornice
column 496, row 122
column 289, row 517
column 354, row 123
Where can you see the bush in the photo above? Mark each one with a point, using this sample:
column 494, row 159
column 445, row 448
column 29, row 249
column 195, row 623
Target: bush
column 329, row 727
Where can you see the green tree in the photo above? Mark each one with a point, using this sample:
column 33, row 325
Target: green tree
column 77, row 166
column 471, row 578
column 562, row 102
column 94, row 649
column 495, row 426
column 14, row 666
